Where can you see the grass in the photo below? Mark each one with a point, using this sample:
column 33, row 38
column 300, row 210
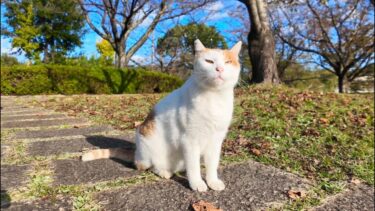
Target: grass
column 121, row 111
column 325, row 137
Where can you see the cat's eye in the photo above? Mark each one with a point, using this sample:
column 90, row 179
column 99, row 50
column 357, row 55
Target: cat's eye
column 228, row 62
column 209, row 61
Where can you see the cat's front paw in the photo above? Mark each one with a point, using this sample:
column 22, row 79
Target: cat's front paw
column 198, row 185
column 216, row 185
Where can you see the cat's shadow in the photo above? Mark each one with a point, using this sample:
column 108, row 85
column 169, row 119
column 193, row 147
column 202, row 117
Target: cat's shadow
column 105, row 142
column 181, row 179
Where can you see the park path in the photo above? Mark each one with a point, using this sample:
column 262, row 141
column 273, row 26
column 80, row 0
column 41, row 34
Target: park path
column 40, row 152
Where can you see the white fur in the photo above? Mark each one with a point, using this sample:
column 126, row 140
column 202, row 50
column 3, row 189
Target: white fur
column 192, row 122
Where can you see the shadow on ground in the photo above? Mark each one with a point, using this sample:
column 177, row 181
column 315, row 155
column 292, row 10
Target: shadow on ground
column 5, row 199
column 127, row 146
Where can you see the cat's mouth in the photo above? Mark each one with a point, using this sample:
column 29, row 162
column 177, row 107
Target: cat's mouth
column 219, row 78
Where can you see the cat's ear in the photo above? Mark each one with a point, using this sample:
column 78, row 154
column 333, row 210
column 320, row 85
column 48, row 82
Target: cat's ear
column 198, row 46
column 236, row 48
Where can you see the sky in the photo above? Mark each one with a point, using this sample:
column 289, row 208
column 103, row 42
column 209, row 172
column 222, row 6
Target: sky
column 215, row 15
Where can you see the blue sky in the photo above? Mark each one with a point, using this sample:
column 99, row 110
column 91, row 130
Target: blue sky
column 214, row 15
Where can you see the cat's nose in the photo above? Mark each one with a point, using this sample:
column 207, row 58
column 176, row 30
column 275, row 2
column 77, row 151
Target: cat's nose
column 219, row 69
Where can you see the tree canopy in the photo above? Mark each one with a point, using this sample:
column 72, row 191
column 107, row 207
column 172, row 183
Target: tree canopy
column 106, row 51
column 53, row 27
column 175, row 48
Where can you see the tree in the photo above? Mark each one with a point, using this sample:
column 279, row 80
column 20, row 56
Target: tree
column 118, row 19
column 53, row 27
column 106, row 51
column 175, row 49
column 285, row 55
column 21, row 18
column 261, row 44
column 337, row 34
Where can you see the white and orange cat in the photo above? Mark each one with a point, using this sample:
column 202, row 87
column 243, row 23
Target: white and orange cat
column 189, row 123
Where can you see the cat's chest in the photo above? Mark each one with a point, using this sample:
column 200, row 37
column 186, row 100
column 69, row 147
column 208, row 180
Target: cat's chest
column 213, row 111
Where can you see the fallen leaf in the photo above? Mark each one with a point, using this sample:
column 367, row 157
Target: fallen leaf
column 296, row 194
column 323, row 121
column 242, row 141
column 266, row 145
column 136, row 124
column 255, row 151
column 204, row 206
column 355, row 181
column 92, row 112
column 125, row 119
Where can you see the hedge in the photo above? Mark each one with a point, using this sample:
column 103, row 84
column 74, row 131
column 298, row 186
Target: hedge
column 60, row 79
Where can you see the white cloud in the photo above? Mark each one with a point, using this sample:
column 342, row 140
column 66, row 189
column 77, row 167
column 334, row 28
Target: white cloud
column 6, row 45
column 146, row 22
column 140, row 59
column 216, row 11
column 218, row 15
column 218, row 5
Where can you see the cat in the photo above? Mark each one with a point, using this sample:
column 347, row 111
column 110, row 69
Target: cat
column 189, row 123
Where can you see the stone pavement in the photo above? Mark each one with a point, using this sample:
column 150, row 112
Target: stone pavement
column 41, row 148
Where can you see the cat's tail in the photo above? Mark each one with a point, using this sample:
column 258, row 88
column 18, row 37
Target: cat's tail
column 118, row 153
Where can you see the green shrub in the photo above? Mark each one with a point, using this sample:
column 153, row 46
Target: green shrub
column 60, row 79
column 8, row 60
column 319, row 80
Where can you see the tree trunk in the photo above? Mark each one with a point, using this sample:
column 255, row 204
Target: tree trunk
column 46, row 55
column 341, row 83
column 261, row 44
column 262, row 56
column 121, row 60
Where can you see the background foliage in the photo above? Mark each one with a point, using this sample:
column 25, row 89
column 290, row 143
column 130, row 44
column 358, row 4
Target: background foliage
column 60, row 79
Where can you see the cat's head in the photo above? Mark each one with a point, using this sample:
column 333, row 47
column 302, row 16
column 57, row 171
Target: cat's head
column 216, row 68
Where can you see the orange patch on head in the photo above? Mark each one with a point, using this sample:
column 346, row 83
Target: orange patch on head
column 230, row 56
column 148, row 126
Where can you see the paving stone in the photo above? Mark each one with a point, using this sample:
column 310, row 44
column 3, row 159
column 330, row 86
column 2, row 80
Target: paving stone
column 10, row 104
column 249, row 186
column 42, row 123
column 28, row 112
column 45, row 148
column 68, row 172
column 21, row 111
column 37, row 116
column 359, row 197
column 13, row 108
column 48, row 133
column 42, row 205
column 13, row 176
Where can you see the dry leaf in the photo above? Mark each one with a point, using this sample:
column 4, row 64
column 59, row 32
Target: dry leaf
column 323, row 120
column 242, row 141
column 266, row 145
column 204, row 206
column 136, row 124
column 255, row 151
column 92, row 112
column 296, row 194
column 355, row 181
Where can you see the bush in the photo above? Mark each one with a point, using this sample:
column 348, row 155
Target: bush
column 60, row 79
column 7, row 60
column 318, row 80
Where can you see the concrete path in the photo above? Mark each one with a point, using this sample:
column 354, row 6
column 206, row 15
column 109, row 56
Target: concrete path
column 41, row 170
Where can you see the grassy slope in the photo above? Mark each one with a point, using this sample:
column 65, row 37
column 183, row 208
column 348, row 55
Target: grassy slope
column 325, row 137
